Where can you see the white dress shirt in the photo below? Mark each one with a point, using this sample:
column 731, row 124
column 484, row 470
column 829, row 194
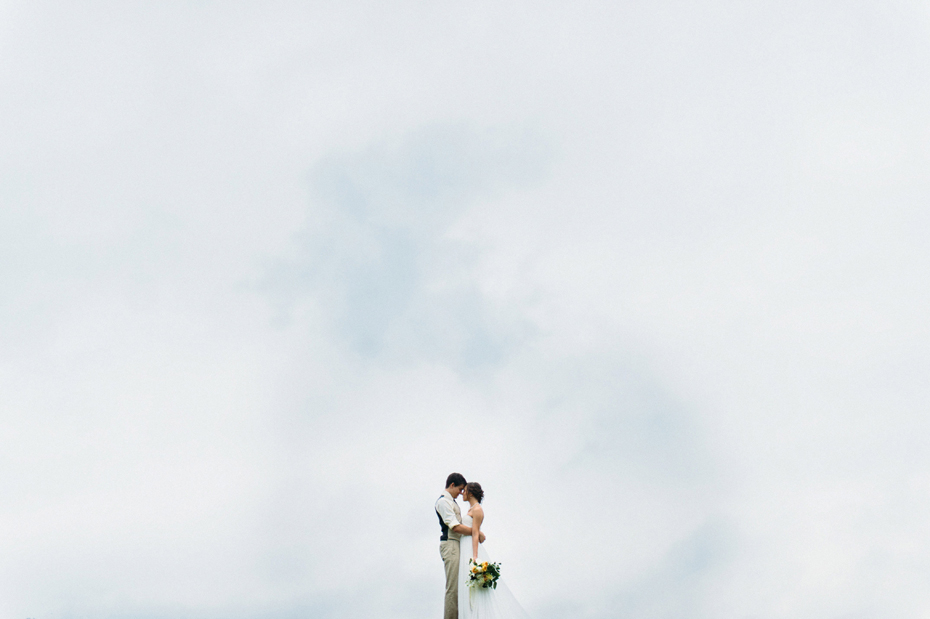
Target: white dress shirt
column 449, row 512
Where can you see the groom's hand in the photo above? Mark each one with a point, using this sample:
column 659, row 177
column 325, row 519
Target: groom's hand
column 481, row 537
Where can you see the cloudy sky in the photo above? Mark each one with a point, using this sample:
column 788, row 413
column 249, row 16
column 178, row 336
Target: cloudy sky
column 655, row 274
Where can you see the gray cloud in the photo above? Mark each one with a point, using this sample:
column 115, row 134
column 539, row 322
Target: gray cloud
column 380, row 255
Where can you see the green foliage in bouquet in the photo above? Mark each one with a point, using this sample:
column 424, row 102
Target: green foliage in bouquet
column 484, row 574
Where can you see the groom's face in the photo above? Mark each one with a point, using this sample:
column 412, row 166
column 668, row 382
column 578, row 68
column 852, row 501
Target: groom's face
column 456, row 491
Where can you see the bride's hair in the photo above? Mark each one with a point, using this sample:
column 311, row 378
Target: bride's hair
column 474, row 489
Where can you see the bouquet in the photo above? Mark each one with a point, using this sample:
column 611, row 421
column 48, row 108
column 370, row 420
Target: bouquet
column 484, row 574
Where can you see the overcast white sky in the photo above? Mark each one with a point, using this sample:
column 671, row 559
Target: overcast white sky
column 655, row 273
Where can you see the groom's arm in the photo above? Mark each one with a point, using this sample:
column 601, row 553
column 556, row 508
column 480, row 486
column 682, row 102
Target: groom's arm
column 448, row 516
column 461, row 529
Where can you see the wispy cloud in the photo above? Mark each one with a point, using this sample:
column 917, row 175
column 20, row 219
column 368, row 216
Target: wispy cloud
column 380, row 255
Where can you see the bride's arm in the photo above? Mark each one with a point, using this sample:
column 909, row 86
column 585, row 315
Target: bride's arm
column 477, row 515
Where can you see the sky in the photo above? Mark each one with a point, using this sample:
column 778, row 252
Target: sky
column 655, row 274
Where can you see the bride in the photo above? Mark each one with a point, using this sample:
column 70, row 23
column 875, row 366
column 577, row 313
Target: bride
column 477, row 602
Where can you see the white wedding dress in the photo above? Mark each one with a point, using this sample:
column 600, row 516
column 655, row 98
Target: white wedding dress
column 478, row 603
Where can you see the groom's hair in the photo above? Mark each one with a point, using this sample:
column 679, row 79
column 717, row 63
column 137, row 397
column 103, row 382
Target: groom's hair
column 455, row 479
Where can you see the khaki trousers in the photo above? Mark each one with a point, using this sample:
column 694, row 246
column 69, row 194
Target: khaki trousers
column 449, row 551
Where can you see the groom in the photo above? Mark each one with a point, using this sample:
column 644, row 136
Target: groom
column 450, row 520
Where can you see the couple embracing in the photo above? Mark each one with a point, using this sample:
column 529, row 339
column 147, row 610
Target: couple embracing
column 461, row 542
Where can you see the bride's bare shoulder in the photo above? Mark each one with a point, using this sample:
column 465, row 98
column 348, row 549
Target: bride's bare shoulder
column 477, row 510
